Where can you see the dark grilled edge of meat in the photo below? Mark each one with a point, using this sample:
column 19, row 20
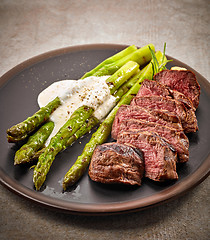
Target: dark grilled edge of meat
column 117, row 163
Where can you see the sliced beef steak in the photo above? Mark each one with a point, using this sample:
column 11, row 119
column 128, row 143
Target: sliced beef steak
column 188, row 118
column 151, row 87
column 182, row 81
column 159, row 158
column 136, row 112
column 177, row 139
column 116, row 163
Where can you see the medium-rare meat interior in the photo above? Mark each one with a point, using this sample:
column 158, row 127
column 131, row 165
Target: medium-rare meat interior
column 154, row 88
column 151, row 115
column 159, row 157
column 150, row 88
column 187, row 117
column 183, row 81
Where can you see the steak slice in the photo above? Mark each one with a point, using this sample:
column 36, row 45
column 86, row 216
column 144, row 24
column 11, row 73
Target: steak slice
column 151, row 87
column 159, row 157
column 183, row 81
column 188, row 118
column 136, row 112
column 177, row 139
column 117, row 163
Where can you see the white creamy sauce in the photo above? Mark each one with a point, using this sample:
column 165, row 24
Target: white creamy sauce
column 91, row 91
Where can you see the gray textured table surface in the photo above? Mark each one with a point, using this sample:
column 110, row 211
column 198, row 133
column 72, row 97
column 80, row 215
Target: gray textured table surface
column 28, row 28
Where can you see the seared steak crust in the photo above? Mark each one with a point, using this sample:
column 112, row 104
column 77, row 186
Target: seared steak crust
column 116, row 163
column 187, row 116
column 183, row 81
column 136, row 112
column 177, row 139
column 160, row 158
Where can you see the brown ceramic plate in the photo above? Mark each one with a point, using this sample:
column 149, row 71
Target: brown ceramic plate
column 19, row 89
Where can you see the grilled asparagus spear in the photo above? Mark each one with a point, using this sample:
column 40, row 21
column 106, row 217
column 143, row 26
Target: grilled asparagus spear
column 127, row 85
column 86, row 127
column 121, row 76
column 34, row 143
column 23, row 129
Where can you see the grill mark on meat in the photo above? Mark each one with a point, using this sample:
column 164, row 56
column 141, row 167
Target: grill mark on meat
column 177, row 139
column 136, row 112
column 160, row 160
column 116, row 163
column 187, row 116
column 118, row 148
column 182, row 81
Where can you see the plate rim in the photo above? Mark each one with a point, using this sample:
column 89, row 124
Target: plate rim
column 171, row 193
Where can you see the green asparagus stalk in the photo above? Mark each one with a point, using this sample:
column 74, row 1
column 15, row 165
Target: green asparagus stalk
column 127, row 85
column 111, row 59
column 140, row 56
column 103, row 132
column 121, row 76
column 58, row 143
column 34, row 143
column 86, row 127
column 23, row 129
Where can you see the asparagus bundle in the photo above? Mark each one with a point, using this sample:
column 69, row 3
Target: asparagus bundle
column 22, row 130
column 103, row 132
column 60, row 141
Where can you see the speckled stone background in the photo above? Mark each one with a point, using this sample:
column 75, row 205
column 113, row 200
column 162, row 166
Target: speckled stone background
column 29, row 28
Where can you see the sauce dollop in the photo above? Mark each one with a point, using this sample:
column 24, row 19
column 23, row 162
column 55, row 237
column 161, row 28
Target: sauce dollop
column 91, row 91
